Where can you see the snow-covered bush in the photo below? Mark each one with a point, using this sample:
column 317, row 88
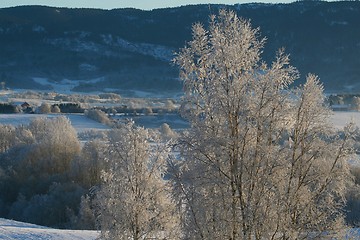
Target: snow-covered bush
column 44, row 108
column 56, row 144
column 55, row 109
column 148, row 111
column 40, row 154
column 166, row 132
column 98, row 115
column 92, row 135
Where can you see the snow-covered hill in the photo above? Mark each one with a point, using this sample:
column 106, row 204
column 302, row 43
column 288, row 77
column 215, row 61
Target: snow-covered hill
column 12, row 230
column 131, row 49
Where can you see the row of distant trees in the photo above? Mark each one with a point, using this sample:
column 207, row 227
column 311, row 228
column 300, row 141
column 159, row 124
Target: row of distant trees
column 348, row 101
column 44, row 108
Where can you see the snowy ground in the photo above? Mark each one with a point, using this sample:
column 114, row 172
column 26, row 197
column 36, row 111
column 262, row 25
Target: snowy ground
column 155, row 121
column 82, row 123
column 65, row 85
column 13, row 230
column 78, row 121
column 340, row 119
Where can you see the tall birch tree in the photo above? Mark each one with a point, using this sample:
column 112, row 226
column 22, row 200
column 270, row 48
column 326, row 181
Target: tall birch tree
column 260, row 160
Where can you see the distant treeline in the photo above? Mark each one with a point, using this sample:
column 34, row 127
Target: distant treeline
column 8, row 108
column 344, row 101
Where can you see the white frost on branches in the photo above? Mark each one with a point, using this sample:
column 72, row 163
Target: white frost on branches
column 260, row 160
column 135, row 199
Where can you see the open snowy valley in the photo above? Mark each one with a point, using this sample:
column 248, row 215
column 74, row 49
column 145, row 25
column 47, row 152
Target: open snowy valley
column 176, row 124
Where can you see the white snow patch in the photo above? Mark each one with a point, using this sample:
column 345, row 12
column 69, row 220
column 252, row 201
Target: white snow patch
column 157, row 51
column 343, row 23
column 341, row 118
column 65, row 85
column 38, row 28
column 87, row 67
column 77, row 45
column 13, row 230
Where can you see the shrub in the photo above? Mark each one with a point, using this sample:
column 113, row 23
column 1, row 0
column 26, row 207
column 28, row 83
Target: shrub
column 112, row 96
column 98, row 115
column 44, row 108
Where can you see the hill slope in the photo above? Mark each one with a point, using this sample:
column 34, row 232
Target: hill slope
column 132, row 49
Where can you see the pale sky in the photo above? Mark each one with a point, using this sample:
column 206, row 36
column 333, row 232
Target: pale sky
column 110, row 4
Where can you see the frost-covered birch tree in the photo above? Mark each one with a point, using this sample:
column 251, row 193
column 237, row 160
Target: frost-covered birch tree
column 260, row 160
column 135, row 200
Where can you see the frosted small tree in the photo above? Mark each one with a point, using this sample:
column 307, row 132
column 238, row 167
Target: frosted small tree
column 148, row 111
column 169, row 105
column 261, row 160
column 98, row 115
column 135, row 201
column 356, row 103
column 55, row 109
column 166, row 132
column 44, row 108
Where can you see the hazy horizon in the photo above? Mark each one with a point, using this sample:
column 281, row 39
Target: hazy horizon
column 112, row 4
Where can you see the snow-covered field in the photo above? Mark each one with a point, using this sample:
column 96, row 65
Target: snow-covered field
column 155, row 121
column 82, row 123
column 13, row 230
column 340, row 119
column 78, row 121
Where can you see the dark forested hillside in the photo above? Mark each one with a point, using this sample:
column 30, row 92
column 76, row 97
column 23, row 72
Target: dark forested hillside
column 132, row 49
